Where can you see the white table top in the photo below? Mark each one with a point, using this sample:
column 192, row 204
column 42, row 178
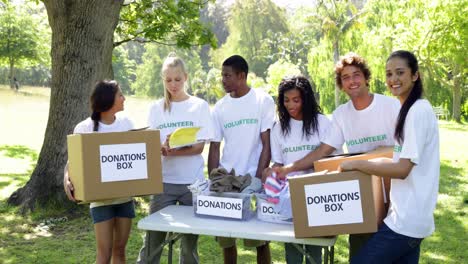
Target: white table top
column 181, row 219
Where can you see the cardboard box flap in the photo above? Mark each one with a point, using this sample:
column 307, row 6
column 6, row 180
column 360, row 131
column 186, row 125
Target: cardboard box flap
column 332, row 163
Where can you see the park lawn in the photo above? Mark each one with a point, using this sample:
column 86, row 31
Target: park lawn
column 65, row 235
column 45, row 236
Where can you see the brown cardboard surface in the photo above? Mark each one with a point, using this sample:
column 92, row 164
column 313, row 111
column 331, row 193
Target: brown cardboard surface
column 368, row 185
column 85, row 170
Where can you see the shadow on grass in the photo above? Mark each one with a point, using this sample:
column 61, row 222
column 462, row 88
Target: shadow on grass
column 19, row 152
column 454, row 126
column 9, row 179
column 451, row 178
column 450, row 219
column 35, row 238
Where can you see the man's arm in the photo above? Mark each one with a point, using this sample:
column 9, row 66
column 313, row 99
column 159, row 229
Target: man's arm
column 306, row 162
column 265, row 156
column 213, row 156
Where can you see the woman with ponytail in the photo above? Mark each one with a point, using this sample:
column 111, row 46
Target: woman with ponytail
column 112, row 218
column 414, row 171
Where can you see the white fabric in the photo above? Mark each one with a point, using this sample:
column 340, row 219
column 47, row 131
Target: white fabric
column 193, row 112
column 367, row 129
column 239, row 121
column 286, row 149
column 120, row 124
column 413, row 199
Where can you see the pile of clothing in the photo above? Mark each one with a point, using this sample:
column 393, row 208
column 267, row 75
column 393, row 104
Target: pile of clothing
column 224, row 181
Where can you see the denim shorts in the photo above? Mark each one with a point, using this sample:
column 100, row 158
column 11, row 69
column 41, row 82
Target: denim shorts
column 107, row 212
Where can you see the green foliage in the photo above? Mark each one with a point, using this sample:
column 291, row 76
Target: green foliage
column 251, row 23
column 171, row 22
column 23, row 37
column 322, row 76
column 124, row 69
column 207, row 86
column 277, row 71
column 149, row 82
column 256, row 82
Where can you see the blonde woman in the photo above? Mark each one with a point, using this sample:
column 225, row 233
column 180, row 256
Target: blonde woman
column 181, row 166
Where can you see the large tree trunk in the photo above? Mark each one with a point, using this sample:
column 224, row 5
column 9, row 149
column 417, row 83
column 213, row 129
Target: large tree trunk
column 82, row 43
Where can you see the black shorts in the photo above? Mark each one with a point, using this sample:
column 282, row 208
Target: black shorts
column 107, row 212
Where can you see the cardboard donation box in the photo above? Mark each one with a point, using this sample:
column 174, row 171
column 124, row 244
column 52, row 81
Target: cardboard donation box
column 112, row 165
column 227, row 205
column 334, row 203
column 382, row 196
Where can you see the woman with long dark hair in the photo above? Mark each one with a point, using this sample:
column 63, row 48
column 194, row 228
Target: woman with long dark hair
column 298, row 131
column 414, row 172
column 112, row 218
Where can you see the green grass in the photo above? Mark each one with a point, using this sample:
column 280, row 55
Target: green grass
column 43, row 236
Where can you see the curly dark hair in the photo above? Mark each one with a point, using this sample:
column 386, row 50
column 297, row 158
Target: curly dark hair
column 351, row 59
column 310, row 108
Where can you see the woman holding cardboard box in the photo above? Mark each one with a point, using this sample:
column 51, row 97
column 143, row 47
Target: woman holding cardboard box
column 112, row 218
column 414, row 172
column 298, row 131
column 182, row 166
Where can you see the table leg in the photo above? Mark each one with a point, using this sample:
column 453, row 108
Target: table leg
column 327, row 254
column 171, row 238
column 169, row 255
column 307, row 255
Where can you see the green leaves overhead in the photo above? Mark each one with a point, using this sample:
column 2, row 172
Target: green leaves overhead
column 169, row 22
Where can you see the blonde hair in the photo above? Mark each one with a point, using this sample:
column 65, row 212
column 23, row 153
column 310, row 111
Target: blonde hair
column 173, row 61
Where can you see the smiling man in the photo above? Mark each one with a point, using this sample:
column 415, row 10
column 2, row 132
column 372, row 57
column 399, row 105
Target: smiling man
column 365, row 122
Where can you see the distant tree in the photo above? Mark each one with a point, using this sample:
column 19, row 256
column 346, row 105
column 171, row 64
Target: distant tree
column 216, row 15
column 446, row 49
column 19, row 38
column 278, row 71
column 149, row 82
column 123, row 68
column 207, row 85
column 251, row 23
column 338, row 18
column 435, row 30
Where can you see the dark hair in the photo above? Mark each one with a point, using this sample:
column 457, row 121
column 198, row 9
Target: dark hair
column 310, row 108
column 415, row 93
column 351, row 59
column 102, row 99
column 238, row 64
